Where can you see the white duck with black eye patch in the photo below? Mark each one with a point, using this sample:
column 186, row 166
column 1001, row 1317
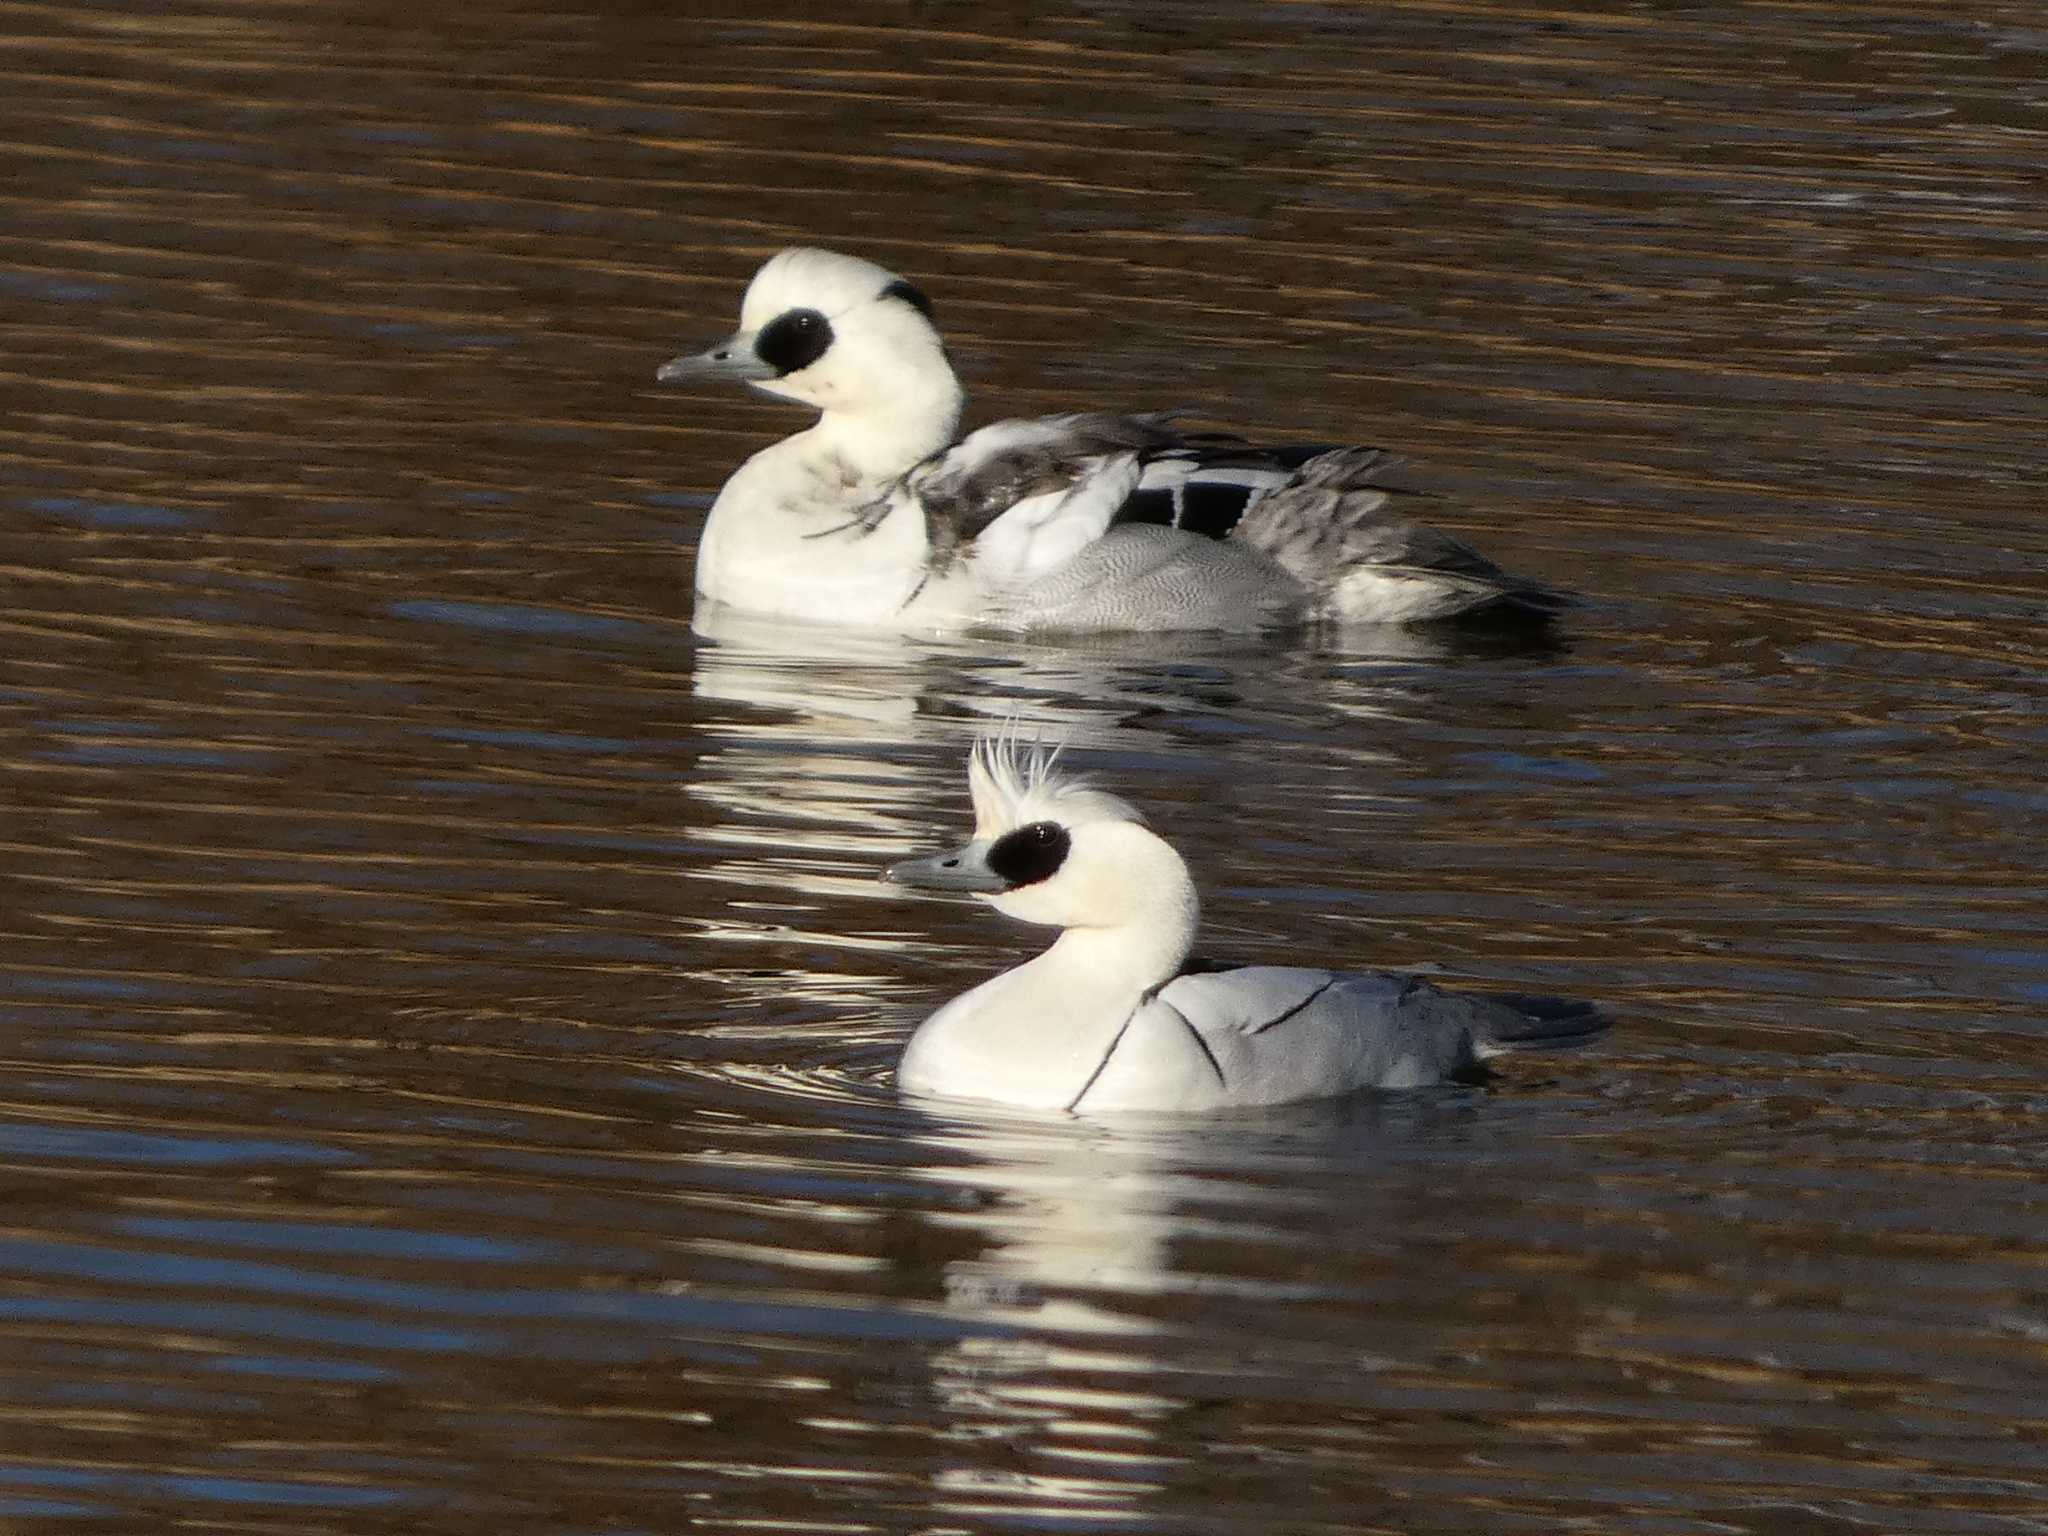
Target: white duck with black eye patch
column 876, row 516
column 1114, row 1017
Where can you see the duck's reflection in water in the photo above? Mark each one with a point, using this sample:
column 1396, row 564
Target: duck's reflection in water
column 1093, row 1276
column 815, row 732
column 822, row 748
column 1077, row 1223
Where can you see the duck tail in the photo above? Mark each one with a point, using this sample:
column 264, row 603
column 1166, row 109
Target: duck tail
column 1525, row 602
column 1521, row 1022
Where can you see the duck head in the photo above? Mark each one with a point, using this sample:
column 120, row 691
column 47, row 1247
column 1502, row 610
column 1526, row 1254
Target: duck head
column 843, row 335
column 1052, row 849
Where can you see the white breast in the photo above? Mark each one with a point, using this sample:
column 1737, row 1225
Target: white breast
column 788, row 538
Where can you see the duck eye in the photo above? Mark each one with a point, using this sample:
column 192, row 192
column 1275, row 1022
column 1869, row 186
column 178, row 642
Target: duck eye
column 793, row 340
column 1029, row 854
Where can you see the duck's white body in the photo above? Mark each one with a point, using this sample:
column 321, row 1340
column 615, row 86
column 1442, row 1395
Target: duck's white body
column 1111, row 1018
column 876, row 516
column 1259, row 1035
column 775, row 544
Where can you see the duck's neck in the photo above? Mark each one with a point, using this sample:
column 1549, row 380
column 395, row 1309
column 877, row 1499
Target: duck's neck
column 1128, row 960
column 1128, row 912
column 890, row 430
column 1039, row 1035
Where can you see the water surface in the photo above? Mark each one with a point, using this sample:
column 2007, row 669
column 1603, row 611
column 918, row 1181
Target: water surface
column 447, row 1006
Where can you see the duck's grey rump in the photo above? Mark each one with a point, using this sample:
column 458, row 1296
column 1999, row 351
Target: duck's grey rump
column 1342, row 518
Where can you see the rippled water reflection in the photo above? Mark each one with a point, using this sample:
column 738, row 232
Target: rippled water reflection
column 447, row 1007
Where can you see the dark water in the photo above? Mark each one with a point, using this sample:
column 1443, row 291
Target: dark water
column 447, row 1008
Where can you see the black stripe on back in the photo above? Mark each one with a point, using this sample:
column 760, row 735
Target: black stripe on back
column 1153, row 506
column 1212, row 510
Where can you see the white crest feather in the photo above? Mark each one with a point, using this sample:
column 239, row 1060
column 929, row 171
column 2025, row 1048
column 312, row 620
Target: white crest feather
column 1014, row 783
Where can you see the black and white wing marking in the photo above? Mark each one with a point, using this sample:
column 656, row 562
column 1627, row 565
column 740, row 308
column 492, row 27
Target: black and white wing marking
column 1023, row 497
column 1203, row 482
column 1027, row 495
column 986, row 473
column 1206, row 482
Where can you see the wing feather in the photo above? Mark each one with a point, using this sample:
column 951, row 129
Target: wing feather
column 1027, row 495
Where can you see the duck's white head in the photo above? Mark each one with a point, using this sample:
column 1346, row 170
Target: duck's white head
column 843, row 335
column 1051, row 848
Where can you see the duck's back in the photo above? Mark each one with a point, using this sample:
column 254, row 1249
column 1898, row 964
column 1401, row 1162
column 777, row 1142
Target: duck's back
column 1273, row 1034
column 1102, row 522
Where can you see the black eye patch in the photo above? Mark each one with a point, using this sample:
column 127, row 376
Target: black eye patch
column 793, row 340
column 1029, row 854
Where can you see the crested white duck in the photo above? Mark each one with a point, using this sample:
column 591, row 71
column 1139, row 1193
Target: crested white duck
column 1116, row 1016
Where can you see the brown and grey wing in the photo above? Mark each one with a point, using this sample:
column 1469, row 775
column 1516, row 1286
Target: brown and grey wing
column 995, row 468
column 1339, row 521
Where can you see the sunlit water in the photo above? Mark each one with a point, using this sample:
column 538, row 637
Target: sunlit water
column 447, row 1005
